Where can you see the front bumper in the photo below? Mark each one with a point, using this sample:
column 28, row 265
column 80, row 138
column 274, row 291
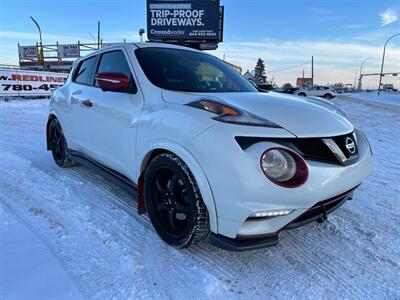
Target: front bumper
column 240, row 188
column 318, row 212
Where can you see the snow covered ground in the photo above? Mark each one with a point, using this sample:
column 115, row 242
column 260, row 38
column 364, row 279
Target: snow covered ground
column 387, row 98
column 69, row 234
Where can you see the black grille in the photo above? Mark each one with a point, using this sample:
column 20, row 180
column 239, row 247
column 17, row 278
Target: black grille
column 308, row 148
column 314, row 149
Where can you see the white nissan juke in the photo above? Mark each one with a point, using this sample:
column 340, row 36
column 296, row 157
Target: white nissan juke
column 204, row 153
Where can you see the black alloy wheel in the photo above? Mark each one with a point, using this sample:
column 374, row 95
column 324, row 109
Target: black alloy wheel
column 58, row 145
column 174, row 203
column 328, row 96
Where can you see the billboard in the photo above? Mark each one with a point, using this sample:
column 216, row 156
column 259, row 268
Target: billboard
column 28, row 52
column 184, row 20
column 304, row 81
column 17, row 82
column 68, row 51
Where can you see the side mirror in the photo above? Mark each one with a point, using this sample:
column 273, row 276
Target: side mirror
column 114, row 82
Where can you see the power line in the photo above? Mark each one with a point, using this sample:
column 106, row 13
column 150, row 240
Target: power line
column 287, row 68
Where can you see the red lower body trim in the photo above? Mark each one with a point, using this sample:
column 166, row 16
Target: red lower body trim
column 141, row 207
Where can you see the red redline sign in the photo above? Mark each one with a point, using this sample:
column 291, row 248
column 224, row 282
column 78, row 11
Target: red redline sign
column 17, row 82
column 37, row 78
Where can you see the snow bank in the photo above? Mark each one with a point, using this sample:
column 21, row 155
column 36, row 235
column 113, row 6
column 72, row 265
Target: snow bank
column 30, row 269
column 388, row 98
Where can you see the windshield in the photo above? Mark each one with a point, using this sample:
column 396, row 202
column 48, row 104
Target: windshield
column 189, row 71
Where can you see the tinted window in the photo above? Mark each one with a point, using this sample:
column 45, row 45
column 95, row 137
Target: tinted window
column 84, row 71
column 114, row 62
column 183, row 70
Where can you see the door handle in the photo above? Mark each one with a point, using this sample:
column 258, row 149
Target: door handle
column 87, row 103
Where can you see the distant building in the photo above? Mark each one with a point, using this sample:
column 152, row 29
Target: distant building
column 235, row 67
column 249, row 76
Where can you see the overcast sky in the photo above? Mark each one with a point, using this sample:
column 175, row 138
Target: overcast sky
column 340, row 34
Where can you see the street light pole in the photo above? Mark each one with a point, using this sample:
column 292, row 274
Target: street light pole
column 383, row 60
column 312, row 70
column 41, row 55
column 361, row 67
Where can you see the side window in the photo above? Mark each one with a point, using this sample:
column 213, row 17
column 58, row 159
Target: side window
column 115, row 62
column 84, row 71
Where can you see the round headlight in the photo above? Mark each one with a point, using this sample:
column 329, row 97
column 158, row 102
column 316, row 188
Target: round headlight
column 284, row 167
column 278, row 165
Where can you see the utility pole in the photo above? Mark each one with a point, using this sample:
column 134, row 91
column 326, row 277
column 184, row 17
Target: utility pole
column 312, row 70
column 383, row 60
column 98, row 34
column 303, row 73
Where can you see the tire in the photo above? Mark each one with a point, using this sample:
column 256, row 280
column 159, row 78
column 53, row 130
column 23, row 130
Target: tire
column 58, row 145
column 174, row 202
column 302, row 94
column 328, row 96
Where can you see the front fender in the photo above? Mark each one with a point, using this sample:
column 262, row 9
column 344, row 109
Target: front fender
column 194, row 166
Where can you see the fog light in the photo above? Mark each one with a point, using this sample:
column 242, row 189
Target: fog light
column 271, row 213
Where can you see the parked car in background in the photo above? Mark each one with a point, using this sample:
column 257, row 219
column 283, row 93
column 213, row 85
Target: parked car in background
column 290, row 90
column 207, row 156
column 261, row 87
column 388, row 87
column 316, row 90
column 265, row 87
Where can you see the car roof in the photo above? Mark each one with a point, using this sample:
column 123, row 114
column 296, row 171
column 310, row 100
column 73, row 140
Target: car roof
column 148, row 45
column 138, row 45
column 164, row 45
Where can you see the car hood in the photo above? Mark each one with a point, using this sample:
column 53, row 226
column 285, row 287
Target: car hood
column 302, row 116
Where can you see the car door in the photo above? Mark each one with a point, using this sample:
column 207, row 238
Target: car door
column 81, row 78
column 112, row 117
column 311, row 91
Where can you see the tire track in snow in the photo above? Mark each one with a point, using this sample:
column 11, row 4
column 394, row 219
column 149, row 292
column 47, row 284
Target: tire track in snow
column 145, row 243
column 199, row 253
column 41, row 208
column 323, row 266
column 125, row 201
